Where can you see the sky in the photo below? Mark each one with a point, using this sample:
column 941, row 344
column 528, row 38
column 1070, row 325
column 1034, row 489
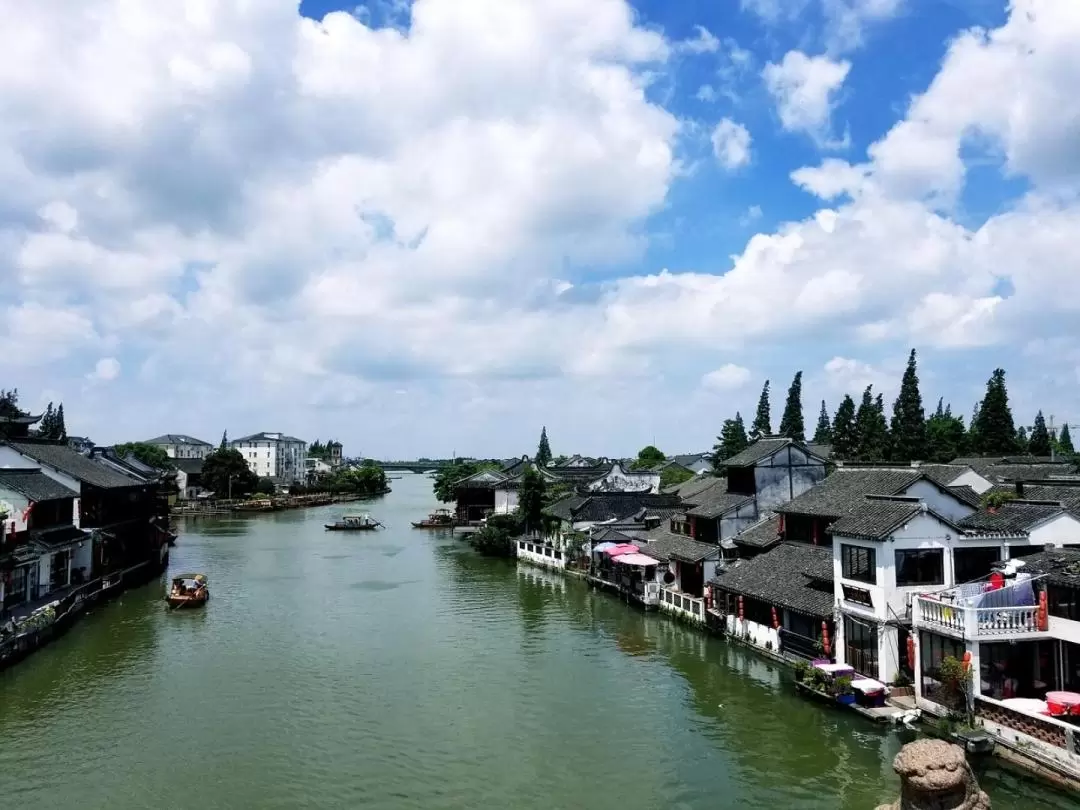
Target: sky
column 433, row 227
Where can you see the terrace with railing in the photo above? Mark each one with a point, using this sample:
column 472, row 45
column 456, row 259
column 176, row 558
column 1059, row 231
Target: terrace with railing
column 681, row 604
column 981, row 613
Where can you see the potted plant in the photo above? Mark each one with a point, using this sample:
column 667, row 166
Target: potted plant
column 843, row 691
column 801, row 669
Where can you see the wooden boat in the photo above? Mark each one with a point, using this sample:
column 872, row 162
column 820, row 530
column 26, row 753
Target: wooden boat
column 362, row 522
column 188, row 591
column 439, row 519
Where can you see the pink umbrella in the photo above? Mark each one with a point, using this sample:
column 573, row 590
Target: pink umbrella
column 625, row 548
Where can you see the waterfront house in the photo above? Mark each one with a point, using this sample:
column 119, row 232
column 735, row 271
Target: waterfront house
column 128, row 514
column 180, row 445
column 773, row 470
column 780, row 601
column 274, row 455
column 758, row 538
column 1020, row 630
column 686, row 566
column 42, row 552
column 189, row 480
column 715, row 515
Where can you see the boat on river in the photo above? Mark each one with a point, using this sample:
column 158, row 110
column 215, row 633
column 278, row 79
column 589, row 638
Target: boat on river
column 361, row 522
column 188, row 591
column 439, row 519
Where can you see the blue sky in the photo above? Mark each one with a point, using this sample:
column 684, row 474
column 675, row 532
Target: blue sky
column 435, row 227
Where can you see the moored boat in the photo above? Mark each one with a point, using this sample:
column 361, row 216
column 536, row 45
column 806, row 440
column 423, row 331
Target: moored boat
column 188, row 591
column 439, row 519
column 362, row 522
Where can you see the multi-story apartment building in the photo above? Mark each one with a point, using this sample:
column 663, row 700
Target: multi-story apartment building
column 274, row 455
column 178, row 445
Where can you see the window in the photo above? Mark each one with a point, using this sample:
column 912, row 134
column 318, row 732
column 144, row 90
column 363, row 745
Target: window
column 974, row 563
column 933, row 649
column 859, row 563
column 1064, row 602
column 861, row 642
column 920, row 567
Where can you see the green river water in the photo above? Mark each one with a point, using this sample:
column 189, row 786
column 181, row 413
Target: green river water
column 399, row 670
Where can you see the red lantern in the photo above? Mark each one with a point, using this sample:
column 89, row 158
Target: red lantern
column 775, row 621
column 910, row 652
column 740, row 609
column 825, row 639
column 1044, row 617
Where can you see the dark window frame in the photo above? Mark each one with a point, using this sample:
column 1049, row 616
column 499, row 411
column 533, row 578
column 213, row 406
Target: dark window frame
column 858, row 563
column 921, row 578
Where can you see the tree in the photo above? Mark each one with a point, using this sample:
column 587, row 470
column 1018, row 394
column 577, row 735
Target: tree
column 496, row 538
column 870, row 428
column 367, row 480
column 673, row 475
column 1022, row 440
column 762, row 425
column 845, row 435
column 946, row 436
column 266, row 486
column 1064, row 442
column 648, row 457
column 149, row 454
column 543, row 451
column 791, row 423
column 908, row 429
column 531, row 500
column 60, row 429
column 9, row 409
column 227, row 474
column 823, row 431
column 995, row 427
column 224, row 440
column 1039, row 443
column 731, row 441
column 447, row 477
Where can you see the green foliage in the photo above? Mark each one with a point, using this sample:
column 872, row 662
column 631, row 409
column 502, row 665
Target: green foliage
column 149, row 454
column 543, row 451
column 791, row 423
column 955, row 682
column 841, row 686
column 674, row 475
column 1064, row 443
column 366, row 480
column 52, row 425
column 224, row 464
column 9, row 404
column 647, row 458
column 1022, row 441
column 531, row 500
column 908, row 429
column 845, row 435
column 762, row 425
column 823, row 431
column 496, row 538
column 946, row 436
column 801, row 669
column 265, row 487
column 731, row 441
column 995, row 499
column 995, row 429
column 871, row 430
column 902, row 679
column 1039, row 443
column 448, row 476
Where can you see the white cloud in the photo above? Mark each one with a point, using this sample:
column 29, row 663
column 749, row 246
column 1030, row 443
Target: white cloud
column 704, row 42
column 753, row 213
column 731, row 144
column 805, row 89
column 706, row 93
column 845, row 21
column 106, row 369
column 728, row 377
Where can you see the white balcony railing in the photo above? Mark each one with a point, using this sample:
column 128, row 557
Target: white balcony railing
column 679, row 602
column 975, row 623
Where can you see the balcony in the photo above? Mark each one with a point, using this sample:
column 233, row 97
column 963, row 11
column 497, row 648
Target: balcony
column 681, row 604
column 976, row 624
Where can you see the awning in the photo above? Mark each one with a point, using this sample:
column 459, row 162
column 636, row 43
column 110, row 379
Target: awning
column 603, row 547
column 622, row 548
column 640, row 560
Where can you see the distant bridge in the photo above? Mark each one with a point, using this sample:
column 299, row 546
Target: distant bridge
column 411, row 466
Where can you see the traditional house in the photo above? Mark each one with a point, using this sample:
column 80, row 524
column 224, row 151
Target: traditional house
column 780, row 601
column 180, row 445
column 715, row 515
column 80, row 444
column 606, row 476
column 999, row 470
column 697, row 463
column 18, row 427
column 43, row 552
column 1020, row 631
column 758, row 538
column 128, row 514
column 690, row 565
column 773, row 470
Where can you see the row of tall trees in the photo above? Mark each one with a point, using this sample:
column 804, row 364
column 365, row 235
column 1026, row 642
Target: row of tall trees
column 864, row 432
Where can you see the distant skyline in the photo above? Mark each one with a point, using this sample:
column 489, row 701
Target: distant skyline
column 436, row 226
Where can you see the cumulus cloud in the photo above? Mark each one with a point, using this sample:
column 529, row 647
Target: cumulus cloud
column 106, row 369
column 805, row 89
column 845, row 21
column 728, row 377
column 703, row 42
column 731, row 144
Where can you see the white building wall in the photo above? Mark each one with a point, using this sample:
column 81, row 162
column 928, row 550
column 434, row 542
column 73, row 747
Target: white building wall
column 506, row 501
column 972, row 479
column 945, row 505
column 9, row 457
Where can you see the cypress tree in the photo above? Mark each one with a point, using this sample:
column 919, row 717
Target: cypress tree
column 46, row 425
column 1039, row 443
column 731, row 441
column 791, row 424
column 1064, row 442
column 762, row 425
column 543, row 451
column 224, row 441
column 1022, row 440
column 995, row 427
column 908, row 431
column 845, row 437
column 823, row 432
column 946, row 436
column 872, row 434
column 61, row 428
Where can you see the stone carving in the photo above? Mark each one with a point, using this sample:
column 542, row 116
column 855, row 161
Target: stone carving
column 934, row 775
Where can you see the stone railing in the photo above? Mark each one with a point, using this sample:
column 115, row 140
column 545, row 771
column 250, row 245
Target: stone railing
column 1050, row 731
column 975, row 623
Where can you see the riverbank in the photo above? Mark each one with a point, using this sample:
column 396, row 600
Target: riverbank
column 275, row 504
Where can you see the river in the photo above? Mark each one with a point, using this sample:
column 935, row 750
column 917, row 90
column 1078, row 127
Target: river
column 400, row 670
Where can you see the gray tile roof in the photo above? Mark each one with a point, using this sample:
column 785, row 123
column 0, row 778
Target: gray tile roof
column 717, row 504
column 943, row 474
column 265, row 436
column 665, row 545
column 688, row 489
column 177, row 438
column 34, row 484
column 876, row 518
column 846, row 487
column 820, row 450
column 188, row 465
column 762, row 448
column 609, row 535
column 1060, row 565
column 76, row 465
column 1015, row 518
column 564, row 509
column 763, row 534
column 797, row 576
column 687, row 459
column 1016, row 468
column 967, row 495
column 1067, row 494
column 604, row 506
